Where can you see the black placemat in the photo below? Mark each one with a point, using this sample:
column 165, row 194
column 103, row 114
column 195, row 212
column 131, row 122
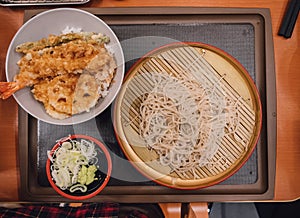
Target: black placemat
column 237, row 40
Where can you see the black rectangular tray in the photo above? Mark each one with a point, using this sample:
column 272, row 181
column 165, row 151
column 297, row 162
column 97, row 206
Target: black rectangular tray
column 243, row 33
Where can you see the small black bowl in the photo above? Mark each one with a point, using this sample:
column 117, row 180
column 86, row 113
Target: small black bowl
column 102, row 174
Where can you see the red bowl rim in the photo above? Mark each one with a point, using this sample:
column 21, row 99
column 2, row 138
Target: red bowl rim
column 108, row 173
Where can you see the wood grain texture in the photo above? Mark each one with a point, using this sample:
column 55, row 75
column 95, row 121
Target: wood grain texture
column 287, row 60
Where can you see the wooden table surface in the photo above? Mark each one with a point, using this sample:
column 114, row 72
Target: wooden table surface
column 287, row 65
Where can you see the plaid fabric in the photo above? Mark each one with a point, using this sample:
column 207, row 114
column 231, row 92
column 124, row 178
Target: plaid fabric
column 99, row 210
column 136, row 214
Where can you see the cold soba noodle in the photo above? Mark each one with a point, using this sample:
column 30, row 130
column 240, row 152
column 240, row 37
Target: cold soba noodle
column 183, row 121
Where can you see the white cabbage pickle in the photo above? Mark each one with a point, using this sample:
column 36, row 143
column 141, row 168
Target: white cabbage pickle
column 74, row 165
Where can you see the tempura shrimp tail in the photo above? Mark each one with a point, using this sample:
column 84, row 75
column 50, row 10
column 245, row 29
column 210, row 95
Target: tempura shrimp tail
column 9, row 88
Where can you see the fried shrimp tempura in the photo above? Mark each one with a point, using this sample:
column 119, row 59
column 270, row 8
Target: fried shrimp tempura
column 69, row 58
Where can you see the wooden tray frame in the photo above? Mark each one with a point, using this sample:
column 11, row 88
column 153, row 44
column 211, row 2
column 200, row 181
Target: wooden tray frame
column 263, row 189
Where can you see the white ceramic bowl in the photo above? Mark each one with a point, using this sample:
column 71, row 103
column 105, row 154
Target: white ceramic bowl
column 54, row 22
